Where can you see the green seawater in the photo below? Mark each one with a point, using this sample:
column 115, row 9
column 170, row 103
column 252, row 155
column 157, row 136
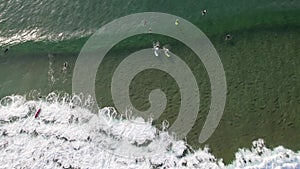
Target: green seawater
column 261, row 62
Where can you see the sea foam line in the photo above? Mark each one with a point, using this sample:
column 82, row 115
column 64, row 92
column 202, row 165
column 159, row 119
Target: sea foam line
column 67, row 134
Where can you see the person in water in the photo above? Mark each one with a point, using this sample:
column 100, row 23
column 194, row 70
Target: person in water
column 65, row 66
column 177, row 22
column 228, row 37
column 6, row 50
column 156, row 48
column 204, row 12
column 167, row 52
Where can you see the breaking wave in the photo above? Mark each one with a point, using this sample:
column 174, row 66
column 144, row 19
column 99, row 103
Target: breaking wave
column 66, row 134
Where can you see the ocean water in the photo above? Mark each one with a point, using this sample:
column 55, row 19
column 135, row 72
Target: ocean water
column 66, row 134
column 261, row 63
column 53, row 20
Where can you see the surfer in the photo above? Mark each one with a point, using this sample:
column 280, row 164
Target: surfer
column 177, row 22
column 228, row 37
column 166, row 50
column 65, row 66
column 37, row 113
column 156, row 48
column 6, row 50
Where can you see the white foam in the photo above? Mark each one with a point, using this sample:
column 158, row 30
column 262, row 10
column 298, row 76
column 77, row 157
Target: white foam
column 37, row 34
column 66, row 135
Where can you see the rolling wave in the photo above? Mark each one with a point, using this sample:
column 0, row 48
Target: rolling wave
column 36, row 20
column 66, row 134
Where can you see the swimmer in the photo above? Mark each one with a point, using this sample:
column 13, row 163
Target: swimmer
column 177, row 22
column 65, row 66
column 156, row 48
column 6, row 50
column 204, row 12
column 166, row 50
column 228, row 37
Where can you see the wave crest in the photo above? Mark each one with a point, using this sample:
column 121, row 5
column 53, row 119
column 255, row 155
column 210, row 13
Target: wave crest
column 67, row 134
